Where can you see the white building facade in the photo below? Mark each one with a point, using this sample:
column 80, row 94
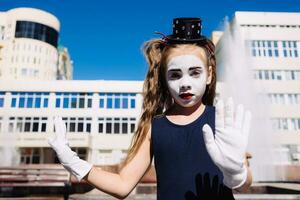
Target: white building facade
column 28, row 45
column 101, row 117
column 274, row 42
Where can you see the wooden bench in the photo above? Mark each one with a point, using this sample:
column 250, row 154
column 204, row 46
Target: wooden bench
column 40, row 179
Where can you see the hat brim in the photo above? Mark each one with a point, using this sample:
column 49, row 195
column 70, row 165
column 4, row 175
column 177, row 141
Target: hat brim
column 175, row 40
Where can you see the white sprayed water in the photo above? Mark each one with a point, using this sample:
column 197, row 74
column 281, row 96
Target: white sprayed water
column 9, row 155
column 234, row 62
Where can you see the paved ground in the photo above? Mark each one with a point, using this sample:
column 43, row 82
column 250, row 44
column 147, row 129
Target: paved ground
column 105, row 197
column 98, row 195
column 31, row 198
column 153, row 197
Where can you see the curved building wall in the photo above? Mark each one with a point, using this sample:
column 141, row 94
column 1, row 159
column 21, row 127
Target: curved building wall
column 30, row 45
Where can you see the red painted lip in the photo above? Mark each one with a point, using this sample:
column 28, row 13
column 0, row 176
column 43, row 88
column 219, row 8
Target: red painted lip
column 186, row 96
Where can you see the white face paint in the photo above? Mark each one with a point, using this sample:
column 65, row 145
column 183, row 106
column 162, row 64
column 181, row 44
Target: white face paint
column 187, row 78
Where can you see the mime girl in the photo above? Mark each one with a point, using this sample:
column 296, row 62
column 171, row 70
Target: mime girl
column 198, row 149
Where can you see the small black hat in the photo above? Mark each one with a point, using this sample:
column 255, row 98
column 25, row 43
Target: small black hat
column 185, row 30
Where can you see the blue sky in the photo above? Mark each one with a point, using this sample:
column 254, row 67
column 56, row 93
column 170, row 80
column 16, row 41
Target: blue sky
column 105, row 38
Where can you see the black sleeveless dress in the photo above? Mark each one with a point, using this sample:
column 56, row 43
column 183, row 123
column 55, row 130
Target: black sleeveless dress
column 183, row 166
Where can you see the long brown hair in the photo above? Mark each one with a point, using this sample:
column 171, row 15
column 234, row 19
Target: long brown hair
column 156, row 97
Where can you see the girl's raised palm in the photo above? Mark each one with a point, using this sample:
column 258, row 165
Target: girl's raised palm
column 227, row 147
column 68, row 158
column 60, row 138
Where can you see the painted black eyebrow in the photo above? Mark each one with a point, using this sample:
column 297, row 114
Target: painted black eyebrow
column 175, row 70
column 179, row 70
column 192, row 68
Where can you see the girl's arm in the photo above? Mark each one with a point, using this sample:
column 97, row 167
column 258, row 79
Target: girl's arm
column 121, row 184
column 248, row 181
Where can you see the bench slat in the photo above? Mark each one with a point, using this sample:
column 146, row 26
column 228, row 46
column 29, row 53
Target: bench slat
column 33, row 176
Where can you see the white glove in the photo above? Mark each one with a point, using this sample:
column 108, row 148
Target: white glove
column 227, row 147
column 68, row 158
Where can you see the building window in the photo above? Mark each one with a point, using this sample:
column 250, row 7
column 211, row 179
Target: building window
column 37, row 31
column 117, row 100
column 284, row 99
column 116, row 125
column 29, row 99
column 78, row 124
column 290, row 49
column 2, row 32
column 132, row 103
column 2, row 94
column 27, row 124
column 73, row 100
column 269, row 48
column 101, row 103
column 81, row 152
column 30, row 155
column 286, row 75
column 1, row 122
column 264, row 48
column 286, row 124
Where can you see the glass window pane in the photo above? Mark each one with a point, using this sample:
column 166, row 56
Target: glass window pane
column 89, row 103
column 35, row 127
column 100, row 128
column 117, row 102
column 124, row 103
column 108, row 127
column 124, row 128
column 253, row 52
column 29, row 102
column 19, row 127
column 27, row 127
column 43, row 127
column 132, row 126
column 132, row 103
column 269, row 43
column 270, row 53
column 21, row 102
column 37, row 102
column 272, row 75
column 80, row 127
column 35, row 159
column 109, row 102
column 1, row 102
column 88, row 127
column 81, row 102
column 57, row 103
column 101, row 103
column 116, row 128
column 46, row 103
column 66, row 102
column 72, row 127
column 73, row 102
column 266, row 75
column 10, row 127
column 13, row 102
